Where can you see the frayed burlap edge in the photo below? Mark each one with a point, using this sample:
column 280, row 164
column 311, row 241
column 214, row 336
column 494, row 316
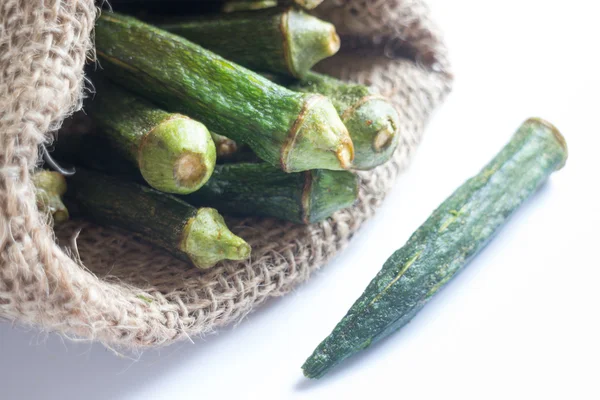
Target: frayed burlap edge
column 129, row 294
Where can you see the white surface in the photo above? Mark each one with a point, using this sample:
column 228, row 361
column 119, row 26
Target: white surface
column 520, row 322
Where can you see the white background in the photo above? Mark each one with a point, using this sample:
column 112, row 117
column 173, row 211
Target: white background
column 522, row 321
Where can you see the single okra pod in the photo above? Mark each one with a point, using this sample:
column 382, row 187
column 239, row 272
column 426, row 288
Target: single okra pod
column 295, row 131
column 280, row 40
column 372, row 120
column 174, row 153
column 444, row 244
column 50, row 186
column 262, row 190
column 196, row 235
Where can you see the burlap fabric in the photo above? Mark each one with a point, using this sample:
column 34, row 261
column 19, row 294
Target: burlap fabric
column 108, row 286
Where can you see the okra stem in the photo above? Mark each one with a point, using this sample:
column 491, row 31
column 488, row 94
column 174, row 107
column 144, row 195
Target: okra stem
column 225, row 146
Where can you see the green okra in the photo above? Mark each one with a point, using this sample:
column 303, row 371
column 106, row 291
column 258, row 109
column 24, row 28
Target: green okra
column 196, row 235
column 50, row 186
column 174, row 153
column 280, row 40
column 296, row 131
column 262, row 190
column 372, row 120
column 444, row 244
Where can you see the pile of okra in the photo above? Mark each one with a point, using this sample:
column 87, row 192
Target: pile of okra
column 216, row 112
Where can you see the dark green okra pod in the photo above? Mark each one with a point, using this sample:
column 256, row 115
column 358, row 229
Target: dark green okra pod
column 444, row 244
column 284, row 41
column 262, row 190
column 174, row 153
column 372, row 120
column 196, row 235
column 50, row 186
column 295, row 131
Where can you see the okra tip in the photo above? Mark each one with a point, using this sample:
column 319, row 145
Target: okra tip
column 207, row 240
column 309, row 40
column 560, row 139
column 318, row 139
column 177, row 156
column 316, row 366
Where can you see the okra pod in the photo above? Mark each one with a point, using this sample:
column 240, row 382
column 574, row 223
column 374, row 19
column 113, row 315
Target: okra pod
column 295, row 131
column 50, row 186
column 280, row 40
column 262, row 190
column 444, row 244
column 174, row 153
column 196, row 235
column 372, row 120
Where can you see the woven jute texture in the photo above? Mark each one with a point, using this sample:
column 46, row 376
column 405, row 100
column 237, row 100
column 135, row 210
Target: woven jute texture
column 103, row 285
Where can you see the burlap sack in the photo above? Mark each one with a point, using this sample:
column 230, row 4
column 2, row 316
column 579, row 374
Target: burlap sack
column 111, row 287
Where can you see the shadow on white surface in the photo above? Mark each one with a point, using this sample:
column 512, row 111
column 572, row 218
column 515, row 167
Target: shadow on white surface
column 38, row 365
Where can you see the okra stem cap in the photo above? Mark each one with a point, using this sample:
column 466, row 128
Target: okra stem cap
column 207, row 240
column 373, row 123
column 317, row 138
column 309, row 40
column 177, row 156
